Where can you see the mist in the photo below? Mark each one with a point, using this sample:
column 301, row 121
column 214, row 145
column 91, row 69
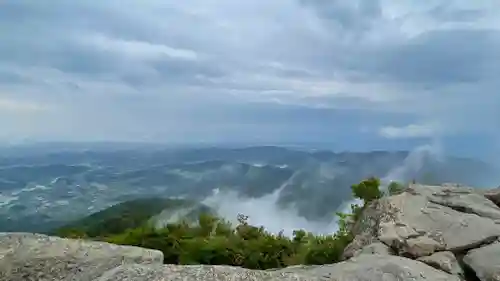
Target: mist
column 265, row 211
column 414, row 162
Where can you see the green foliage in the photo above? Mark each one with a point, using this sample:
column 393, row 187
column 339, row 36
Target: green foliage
column 356, row 211
column 120, row 217
column 215, row 241
column 395, row 188
column 367, row 190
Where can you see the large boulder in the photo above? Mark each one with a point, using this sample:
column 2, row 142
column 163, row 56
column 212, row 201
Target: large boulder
column 485, row 262
column 377, row 248
column 445, row 261
column 463, row 199
column 493, row 195
column 25, row 256
column 428, row 219
column 377, row 268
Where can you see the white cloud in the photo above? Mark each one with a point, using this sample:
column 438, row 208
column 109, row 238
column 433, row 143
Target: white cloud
column 21, row 107
column 411, row 131
column 138, row 49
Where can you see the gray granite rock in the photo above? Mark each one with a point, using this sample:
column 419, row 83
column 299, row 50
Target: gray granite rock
column 493, row 195
column 445, row 261
column 26, row 257
column 195, row 273
column 377, row 268
column 414, row 225
column 364, row 230
column 464, row 199
column 485, row 262
column 361, row 268
column 377, row 248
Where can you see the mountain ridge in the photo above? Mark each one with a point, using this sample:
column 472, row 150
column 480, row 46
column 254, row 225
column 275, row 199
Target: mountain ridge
column 316, row 183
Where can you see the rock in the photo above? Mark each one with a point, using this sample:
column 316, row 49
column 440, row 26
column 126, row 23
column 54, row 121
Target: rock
column 376, row 268
column 25, row 257
column 445, row 261
column 358, row 244
column 422, row 246
column 197, row 273
column 364, row 230
column 424, row 221
column 416, row 226
column 376, row 248
column 493, row 195
column 362, row 268
column 485, row 262
column 463, row 199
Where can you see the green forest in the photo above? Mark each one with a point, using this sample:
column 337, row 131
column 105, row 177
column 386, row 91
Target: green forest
column 215, row 241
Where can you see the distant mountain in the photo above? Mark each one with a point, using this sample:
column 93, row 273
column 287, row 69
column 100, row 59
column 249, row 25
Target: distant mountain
column 40, row 191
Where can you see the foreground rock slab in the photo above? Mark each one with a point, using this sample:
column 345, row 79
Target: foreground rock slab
column 485, row 261
column 25, row 257
column 378, row 268
column 361, row 268
column 195, row 273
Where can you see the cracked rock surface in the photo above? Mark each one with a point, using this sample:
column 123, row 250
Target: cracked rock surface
column 439, row 233
column 485, row 261
column 416, row 226
column 443, row 226
column 445, row 261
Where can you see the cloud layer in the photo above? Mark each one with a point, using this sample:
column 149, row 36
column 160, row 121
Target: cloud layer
column 294, row 70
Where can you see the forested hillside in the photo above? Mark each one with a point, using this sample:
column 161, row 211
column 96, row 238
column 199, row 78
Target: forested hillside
column 215, row 241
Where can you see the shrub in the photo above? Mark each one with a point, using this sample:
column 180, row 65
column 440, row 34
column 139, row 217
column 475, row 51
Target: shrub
column 367, row 190
column 215, row 241
column 395, row 188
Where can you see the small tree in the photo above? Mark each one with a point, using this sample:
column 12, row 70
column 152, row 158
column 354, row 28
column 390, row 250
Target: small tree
column 367, row 190
column 395, row 188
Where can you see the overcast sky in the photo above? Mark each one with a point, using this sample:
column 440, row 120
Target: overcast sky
column 258, row 70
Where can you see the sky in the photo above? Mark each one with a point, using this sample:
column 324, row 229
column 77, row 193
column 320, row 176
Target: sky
column 355, row 73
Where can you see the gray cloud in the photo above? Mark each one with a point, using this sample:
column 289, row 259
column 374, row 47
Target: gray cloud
column 351, row 16
column 225, row 70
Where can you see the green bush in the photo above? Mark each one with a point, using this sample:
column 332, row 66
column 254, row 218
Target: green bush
column 215, row 241
column 395, row 188
column 367, row 190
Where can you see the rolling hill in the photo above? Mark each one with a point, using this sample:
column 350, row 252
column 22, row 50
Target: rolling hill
column 134, row 213
column 48, row 189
